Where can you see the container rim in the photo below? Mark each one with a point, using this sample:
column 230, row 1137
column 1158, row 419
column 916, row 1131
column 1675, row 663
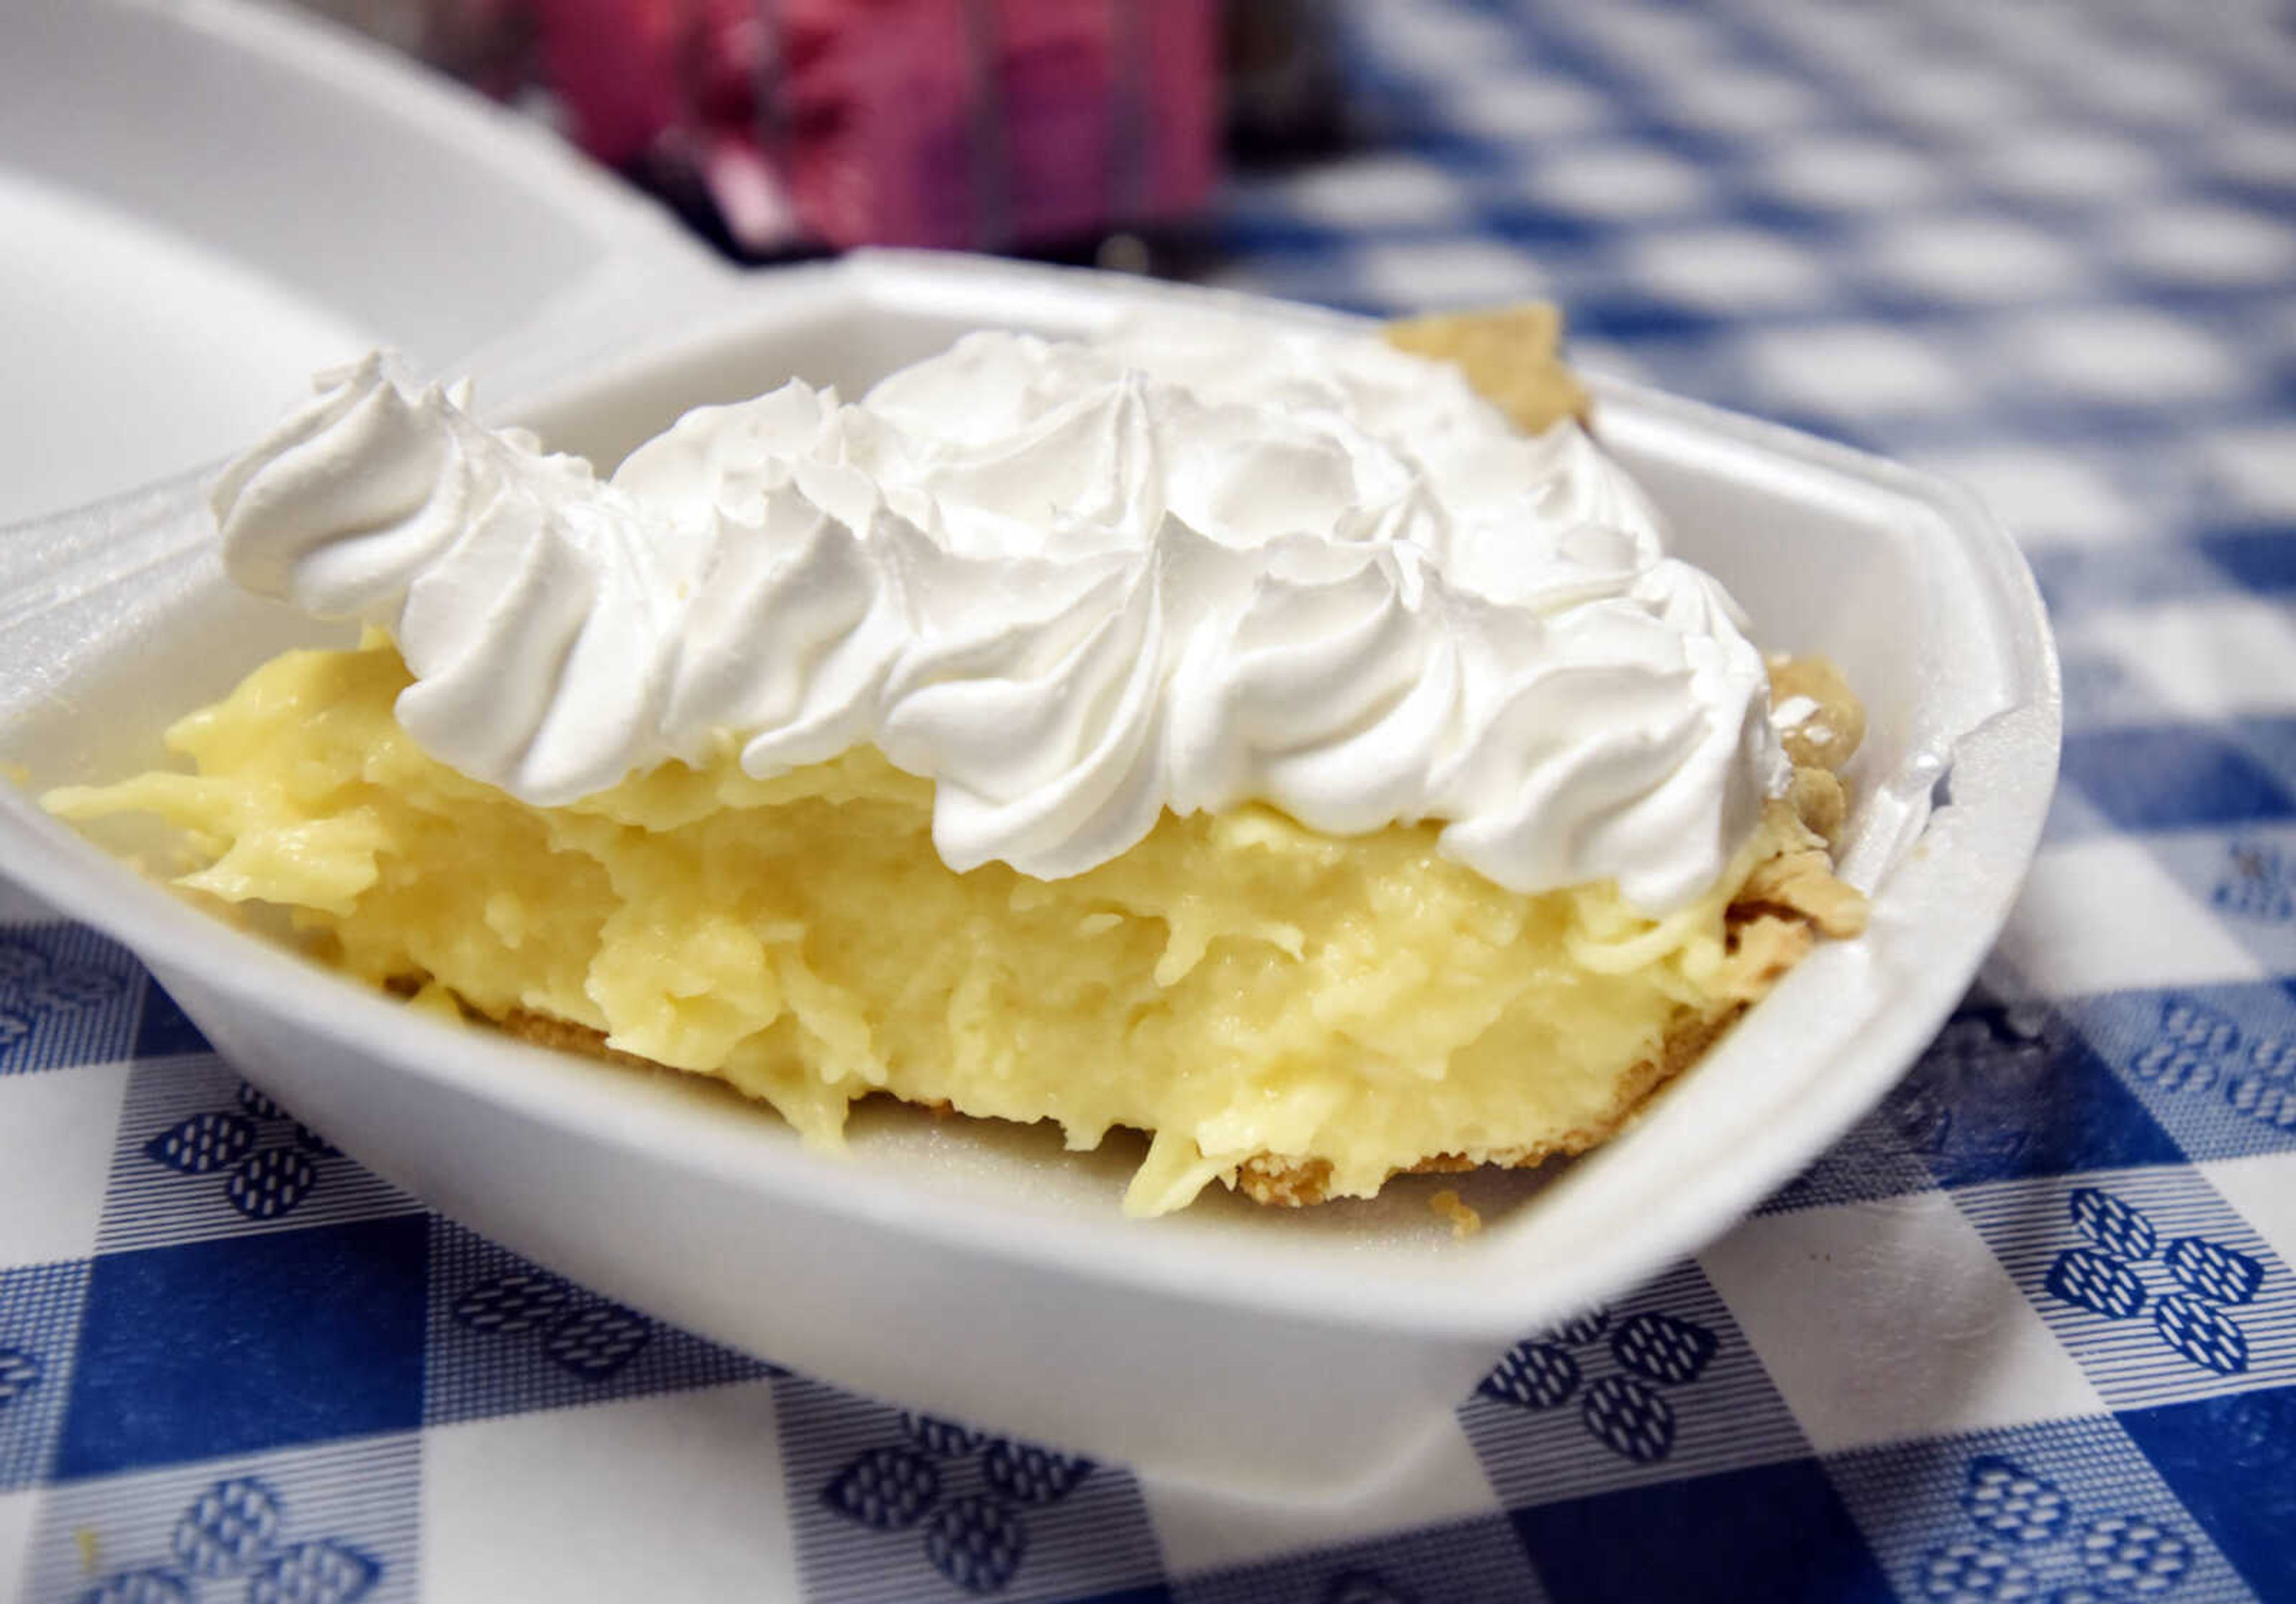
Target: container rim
column 2005, row 772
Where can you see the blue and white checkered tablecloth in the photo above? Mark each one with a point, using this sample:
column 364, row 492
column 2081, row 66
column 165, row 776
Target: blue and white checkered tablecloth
column 2029, row 1333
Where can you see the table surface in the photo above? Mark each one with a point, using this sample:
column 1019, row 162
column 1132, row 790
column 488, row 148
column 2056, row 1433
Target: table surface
column 2029, row 1333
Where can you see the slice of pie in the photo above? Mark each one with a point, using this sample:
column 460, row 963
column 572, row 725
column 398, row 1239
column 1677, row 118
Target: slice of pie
column 1246, row 735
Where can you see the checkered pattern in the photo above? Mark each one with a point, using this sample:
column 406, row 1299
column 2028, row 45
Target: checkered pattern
column 2029, row 1333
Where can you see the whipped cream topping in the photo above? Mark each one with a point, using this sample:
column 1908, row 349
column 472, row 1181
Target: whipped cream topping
column 1192, row 563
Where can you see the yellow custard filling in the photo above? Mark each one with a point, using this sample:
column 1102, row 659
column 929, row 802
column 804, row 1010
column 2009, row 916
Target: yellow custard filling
column 1247, row 990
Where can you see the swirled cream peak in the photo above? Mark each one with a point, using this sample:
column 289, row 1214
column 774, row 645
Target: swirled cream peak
column 1193, row 563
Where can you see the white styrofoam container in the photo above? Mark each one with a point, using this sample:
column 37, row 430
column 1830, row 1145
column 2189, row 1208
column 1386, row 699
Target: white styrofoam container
column 977, row 1271
column 200, row 201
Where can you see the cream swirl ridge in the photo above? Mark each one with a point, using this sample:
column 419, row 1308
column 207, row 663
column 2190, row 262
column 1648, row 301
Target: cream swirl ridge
column 1191, row 564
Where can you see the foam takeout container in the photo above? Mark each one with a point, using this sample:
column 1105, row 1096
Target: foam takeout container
column 183, row 242
column 979, row 1270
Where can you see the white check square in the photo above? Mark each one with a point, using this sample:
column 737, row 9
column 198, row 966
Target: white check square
column 1436, row 1484
column 1890, row 1319
column 2213, row 246
column 1378, row 191
column 56, row 1133
column 2103, row 915
column 2261, row 1187
column 19, row 1510
column 1436, row 38
column 2141, row 88
column 2255, row 153
column 1526, row 106
column 1972, row 259
column 1727, row 268
column 2212, row 658
column 1623, row 181
column 2253, row 468
column 1642, row 32
column 2068, row 163
column 1955, row 94
column 1741, row 99
column 2044, row 497
column 2125, row 355
column 1459, row 270
column 1854, row 369
column 1847, row 173
column 674, row 1496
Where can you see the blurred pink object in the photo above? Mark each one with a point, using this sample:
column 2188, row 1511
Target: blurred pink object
column 977, row 124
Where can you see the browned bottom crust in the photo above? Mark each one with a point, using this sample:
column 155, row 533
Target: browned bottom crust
column 545, row 1030
column 1297, row 1182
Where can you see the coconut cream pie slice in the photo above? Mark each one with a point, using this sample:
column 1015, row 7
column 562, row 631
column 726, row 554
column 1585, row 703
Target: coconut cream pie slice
column 1248, row 735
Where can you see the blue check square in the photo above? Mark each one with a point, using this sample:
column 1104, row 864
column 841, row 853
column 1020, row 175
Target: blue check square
column 2173, row 777
column 2258, row 560
column 2232, row 1460
column 243, row 1344
column 2271, row 742
column 1773, row 1532
column 2010, row 1090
